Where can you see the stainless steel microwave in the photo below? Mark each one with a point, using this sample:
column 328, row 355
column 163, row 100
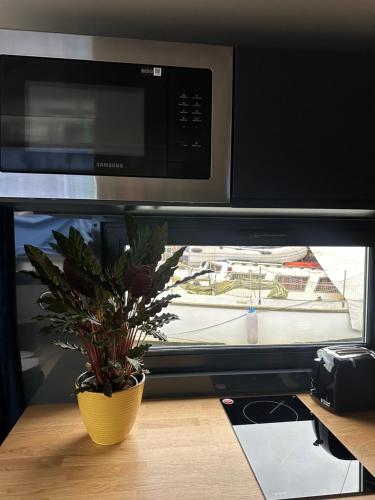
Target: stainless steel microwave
column 114, row 120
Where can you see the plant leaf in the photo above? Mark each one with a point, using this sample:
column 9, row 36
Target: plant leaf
column 139, row 351
column 158, row 322
column 157, row 242
column 50, row 303
column 119, row 269
column 69, row 345
column 165, row 272
column 83, row 253
column 135, row 363
column 158, row 335
column 112, row 365
column 75, row 247
column 188, row 278
column 152, row 310
column 48, row 273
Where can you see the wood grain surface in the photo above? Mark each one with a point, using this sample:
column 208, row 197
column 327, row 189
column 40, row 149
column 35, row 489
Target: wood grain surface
column 178, row 450
column 355, row 430
column 184, row 449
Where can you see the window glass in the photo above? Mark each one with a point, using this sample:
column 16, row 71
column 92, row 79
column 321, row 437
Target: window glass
column 268, row 296
column 48, row 372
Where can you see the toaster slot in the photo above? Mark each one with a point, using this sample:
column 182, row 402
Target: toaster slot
column 347, row 353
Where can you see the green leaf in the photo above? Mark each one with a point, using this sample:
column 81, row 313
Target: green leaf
column 156, row 248
column 139, row 247
column 155, row 307
column 50, row 303
column 188, row 278
column 139, row 351
column 158, row 322
column 158, row 305
column 57, row 307
column 47, row 271
column 118, row 270
column 62, row 324
column 75, row 247
column 113, row 365
column 159, row 335
column 165, row 272
column 62, row 245
column 146, row 243
column 55, row 247
column 135, row 363
column 69, row 345
column 102, row 295
column 83, row 253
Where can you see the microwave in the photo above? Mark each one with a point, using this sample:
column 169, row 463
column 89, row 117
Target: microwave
column 114, row 120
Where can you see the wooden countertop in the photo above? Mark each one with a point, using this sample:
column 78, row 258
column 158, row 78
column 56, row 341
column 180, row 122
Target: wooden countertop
column 184, row 449
column 355, row 430
column 178, row 450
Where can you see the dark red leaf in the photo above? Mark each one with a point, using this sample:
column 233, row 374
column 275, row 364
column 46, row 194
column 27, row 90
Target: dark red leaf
column 137, row 280
column 76, row 280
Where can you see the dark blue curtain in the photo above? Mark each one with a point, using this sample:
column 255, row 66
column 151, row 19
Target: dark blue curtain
column 12, row 402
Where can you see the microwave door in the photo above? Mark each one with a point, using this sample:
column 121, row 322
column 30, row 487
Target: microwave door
column 82, row 117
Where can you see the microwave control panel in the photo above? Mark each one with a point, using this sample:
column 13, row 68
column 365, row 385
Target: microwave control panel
column 189, row 123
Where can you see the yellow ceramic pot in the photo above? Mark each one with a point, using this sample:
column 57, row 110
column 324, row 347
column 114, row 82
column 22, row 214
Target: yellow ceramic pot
column 109, row 420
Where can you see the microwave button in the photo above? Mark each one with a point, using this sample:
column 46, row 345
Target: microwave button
column 197, row 104
column 196, row 112
column 197, row 97
column 183, row 112
column 196, row 120
column 183, row 104
column 183, row 145
column 196, row 145
column 183, row 119
column 183, row 95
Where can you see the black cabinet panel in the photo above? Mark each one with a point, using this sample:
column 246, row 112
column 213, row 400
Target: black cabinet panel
column 304, row 129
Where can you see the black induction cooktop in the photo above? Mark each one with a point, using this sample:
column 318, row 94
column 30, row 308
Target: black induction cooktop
column 292, row 454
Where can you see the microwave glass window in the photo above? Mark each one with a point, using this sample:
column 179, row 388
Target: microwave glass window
column 84, row 118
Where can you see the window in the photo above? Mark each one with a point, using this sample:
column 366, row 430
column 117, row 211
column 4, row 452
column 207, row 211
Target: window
column 293, row 283
column 276, row 357
column 279, row 295
column 325, row 285
column 242, row 328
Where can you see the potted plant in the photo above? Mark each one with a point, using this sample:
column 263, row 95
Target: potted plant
column 111, row 313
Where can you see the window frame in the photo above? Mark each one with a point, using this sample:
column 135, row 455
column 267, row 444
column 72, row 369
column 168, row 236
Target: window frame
column 194, row 370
